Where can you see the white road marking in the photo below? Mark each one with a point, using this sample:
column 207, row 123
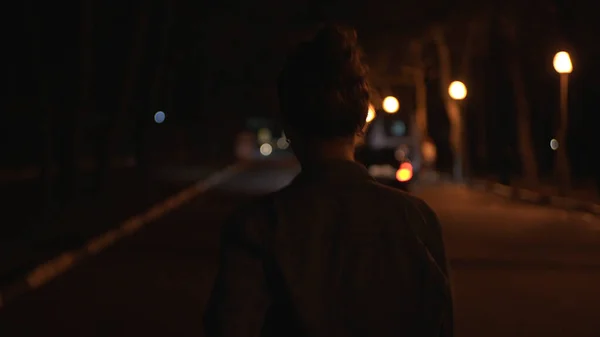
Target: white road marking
column 49, row 270
column 132, row 225
column 97, row 244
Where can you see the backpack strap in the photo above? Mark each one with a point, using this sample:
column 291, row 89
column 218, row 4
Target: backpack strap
column 282, row 315
column 417, row 223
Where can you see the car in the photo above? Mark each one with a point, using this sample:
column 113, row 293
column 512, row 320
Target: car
column 390, row 150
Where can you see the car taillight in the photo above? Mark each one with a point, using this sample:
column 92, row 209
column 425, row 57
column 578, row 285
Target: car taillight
column 405, row 172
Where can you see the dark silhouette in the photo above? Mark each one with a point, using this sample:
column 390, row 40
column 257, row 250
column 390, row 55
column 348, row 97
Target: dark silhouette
column 114, row 128
column 506, row 165
column 334, row 253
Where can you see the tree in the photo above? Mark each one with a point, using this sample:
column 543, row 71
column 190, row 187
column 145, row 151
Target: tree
column 71, row 123
column 418, row 72
column 43, row 103
column 509, row 28
column 159, row 77
column 474, row 26
column 475, row 45
column 87, row 72
column 116, row 123
column 452, row 108
column 477, row 49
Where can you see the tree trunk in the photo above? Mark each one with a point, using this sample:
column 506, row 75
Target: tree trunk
column 87, row 68
column 159, row 77
column 66, row 157
column 528, row 159
column 47, row 155
column 476, row 32
column 420, row 89
column 418, row 70
column 69, row 145
column 116, row 123
column 452, row 108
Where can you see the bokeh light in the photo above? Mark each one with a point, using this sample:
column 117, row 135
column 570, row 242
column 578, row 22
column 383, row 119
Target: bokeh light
column 282, row 143
column 370, row 114
column 405, row 172
column 266, row 149
column 398, row 128
column 401, row 152
column 391, row 104
column 429, row 151
column 562, row 63
column 457, row 90
column 264, row 135
column 159, row 117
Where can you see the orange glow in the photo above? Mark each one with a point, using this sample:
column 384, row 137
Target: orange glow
column 457, row 90
column 405, row 173
column 562, row 63
column 370, row 114
column 391, row 104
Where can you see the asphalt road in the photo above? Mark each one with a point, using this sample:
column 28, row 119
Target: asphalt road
column 26, row 240
column 518, row 270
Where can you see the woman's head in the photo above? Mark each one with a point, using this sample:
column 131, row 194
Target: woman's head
column 323, row 89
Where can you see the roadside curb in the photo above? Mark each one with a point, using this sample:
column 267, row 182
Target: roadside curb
column 49, row 270
column 533, row 197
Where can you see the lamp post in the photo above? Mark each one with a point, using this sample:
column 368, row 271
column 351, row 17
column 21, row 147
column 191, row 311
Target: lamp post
column 458, row 91
column 563, row 66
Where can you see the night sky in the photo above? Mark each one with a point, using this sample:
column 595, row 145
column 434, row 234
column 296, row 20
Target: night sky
column 208, row 66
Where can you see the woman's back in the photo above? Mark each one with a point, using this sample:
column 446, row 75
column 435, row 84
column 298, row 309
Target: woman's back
column 348, row 260
column 334, row 253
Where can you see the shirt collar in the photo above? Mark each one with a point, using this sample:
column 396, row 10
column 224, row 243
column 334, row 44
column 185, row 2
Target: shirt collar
column 335, row 170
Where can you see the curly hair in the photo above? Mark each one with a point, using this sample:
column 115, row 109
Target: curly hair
column 323, row 89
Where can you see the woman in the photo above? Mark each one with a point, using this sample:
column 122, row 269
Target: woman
column 334, row 253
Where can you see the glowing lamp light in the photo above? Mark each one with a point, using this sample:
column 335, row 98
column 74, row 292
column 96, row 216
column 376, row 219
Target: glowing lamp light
column 562, row 63
column 264, row 135
column 370, row 114
column 405, row 173
column 391, row 104
column 457, row 90
column 266, row 149
column 429, row 151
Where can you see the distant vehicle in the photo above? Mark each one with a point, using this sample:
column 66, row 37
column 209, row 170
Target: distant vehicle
column 261, row 139
column 390, row 150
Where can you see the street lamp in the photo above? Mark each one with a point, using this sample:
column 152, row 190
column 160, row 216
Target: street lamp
column 391, row 104
column 562, row 63
column 458, row 91
column 563, row 66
